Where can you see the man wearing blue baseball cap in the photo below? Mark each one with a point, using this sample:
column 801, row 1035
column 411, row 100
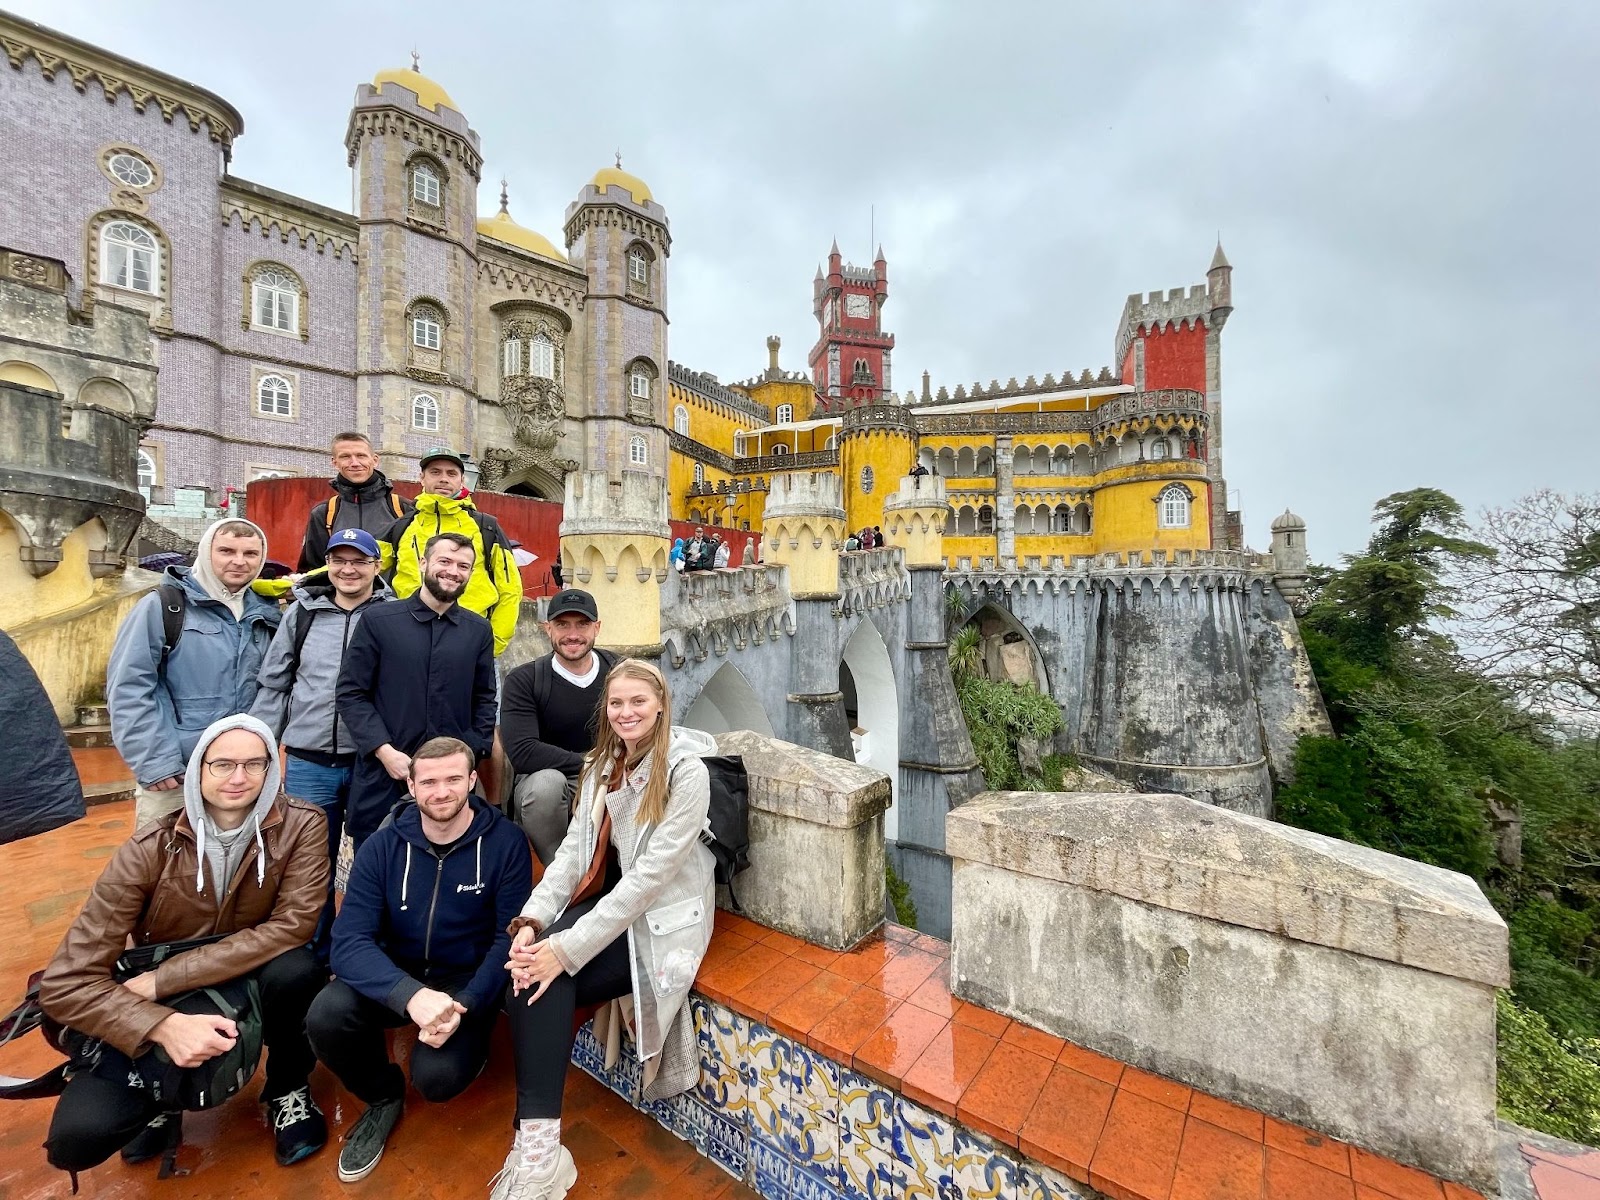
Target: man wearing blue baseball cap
column 298, row 678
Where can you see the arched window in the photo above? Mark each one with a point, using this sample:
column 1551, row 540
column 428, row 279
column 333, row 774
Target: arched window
column 699, row 472
column 867, row 480
column 541, row 357
column 129, row 257
column 638, row 455
column 275, row 300
column 147, row 472
column 425, row 184
column 680, row 420
column 1173, row 504
column 274, row 396
column 639, row 383
column 638, row 269
column 511, row 357
column 424, row 412
column 986, row 520
column 785, row 414
column 427, row 324
column 780, row 448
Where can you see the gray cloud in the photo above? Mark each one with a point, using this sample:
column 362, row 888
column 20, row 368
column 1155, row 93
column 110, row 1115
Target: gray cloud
column 1407, row 191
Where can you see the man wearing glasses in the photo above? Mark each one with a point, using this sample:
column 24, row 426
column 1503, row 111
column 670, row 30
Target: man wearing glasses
column 238, row 860
column 298, row 679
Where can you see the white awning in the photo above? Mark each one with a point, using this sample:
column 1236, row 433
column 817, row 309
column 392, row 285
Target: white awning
column 795, row 426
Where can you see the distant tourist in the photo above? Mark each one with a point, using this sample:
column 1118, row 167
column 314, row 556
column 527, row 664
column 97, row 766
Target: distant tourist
column 186, row 655
column 445, row 506
column 237, row 859
column 724, row 554
column 548, row 716
column 421, row 938
column 363, row 498
column 852, row 543
column 415, row 669
column 632, row 864
column 675, row 555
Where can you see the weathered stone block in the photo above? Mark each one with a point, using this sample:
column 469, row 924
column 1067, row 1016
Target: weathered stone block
column 816, row 841
column 1343, row 989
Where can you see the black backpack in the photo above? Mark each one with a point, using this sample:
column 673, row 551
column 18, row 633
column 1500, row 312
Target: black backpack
column 727, row 833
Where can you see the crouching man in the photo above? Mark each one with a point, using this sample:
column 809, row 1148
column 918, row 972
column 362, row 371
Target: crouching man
column 421, row 939
column 238, row 859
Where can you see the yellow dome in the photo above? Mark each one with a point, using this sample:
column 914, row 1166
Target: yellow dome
column 636, row 187
column 429, row 93
column 502, row 228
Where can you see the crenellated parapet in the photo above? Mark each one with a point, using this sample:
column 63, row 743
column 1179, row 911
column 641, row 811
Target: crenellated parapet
column 715, row 613
column 870, row 579
column 1181, row 308
column 1231, row 570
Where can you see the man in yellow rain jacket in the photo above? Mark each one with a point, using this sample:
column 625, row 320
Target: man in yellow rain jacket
column 445, row 506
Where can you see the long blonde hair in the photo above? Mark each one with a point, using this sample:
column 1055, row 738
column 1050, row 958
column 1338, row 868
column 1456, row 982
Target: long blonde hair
column 608, row 747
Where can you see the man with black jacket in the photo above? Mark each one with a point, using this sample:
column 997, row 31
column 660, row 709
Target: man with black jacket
column 363, row 498
column 548, row 718
column 422, row 938
column 415, row 669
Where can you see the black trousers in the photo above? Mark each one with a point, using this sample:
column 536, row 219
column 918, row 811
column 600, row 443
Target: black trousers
column 96, row 1115
column 346, row 1030
column 542, row 1033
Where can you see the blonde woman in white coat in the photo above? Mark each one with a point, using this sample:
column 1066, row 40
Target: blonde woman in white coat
column 627, row 918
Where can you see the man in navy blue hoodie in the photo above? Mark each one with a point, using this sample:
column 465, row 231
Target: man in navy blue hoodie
column 421, row 938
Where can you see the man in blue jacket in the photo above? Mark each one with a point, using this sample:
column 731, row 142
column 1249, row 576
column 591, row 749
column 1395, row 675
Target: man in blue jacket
column 421, row 938
column 164, row 691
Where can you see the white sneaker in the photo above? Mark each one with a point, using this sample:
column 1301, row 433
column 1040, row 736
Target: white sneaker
column 514, row 1181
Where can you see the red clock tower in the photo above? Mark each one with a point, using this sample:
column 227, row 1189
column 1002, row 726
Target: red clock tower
column 850, row 362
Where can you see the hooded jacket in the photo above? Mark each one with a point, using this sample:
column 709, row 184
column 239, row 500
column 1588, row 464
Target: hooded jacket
column 157, row 714
column 414, row 917
column 494, row 589
column 298, row 704
column 664, row 902
column 371, row 506
column 158, row 888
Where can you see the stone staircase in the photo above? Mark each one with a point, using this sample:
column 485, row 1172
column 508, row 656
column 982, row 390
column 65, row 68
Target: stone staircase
column 105, row 777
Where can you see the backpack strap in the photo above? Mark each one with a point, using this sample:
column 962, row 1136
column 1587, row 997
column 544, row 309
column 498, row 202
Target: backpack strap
column 332, row 511
column 396, row 504
column 543, row 673
column 302, row 630
column 173, row 602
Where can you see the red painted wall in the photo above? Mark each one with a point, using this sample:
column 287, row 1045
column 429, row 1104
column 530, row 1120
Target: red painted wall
column 1175, row 358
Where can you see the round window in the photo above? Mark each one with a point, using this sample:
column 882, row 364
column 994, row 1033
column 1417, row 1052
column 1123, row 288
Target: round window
column 131, row 170
column 866, row 480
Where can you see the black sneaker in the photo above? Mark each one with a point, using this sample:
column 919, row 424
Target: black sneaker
column 363, row 1145
column 165, row 1132
column 297, row 1126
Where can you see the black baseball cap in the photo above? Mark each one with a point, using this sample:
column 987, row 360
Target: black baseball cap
column 572, row 600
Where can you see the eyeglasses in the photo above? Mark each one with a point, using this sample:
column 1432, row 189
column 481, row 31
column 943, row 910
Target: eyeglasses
column 223, row 768
column 335, row 563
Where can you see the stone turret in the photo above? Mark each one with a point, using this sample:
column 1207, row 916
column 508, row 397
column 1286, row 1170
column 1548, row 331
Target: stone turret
column 614, row 539
column 1289, row 553
column 914, row 519
column 802, row 526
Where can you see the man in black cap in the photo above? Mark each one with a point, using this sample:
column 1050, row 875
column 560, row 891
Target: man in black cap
column 548, row 718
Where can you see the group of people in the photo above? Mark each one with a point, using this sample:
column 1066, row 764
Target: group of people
column 702, row 552
column 868, row 537
column 268, row 741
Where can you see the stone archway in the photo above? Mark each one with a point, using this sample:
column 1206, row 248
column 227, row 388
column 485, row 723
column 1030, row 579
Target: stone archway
column 1006, row 650
column 727, row 702
column 872, row 710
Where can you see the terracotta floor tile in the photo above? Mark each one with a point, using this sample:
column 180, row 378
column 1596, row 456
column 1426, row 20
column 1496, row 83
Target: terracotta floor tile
column 866, row 960
column 906, row 972
column 817, row 956
column 1156, row 1087
column 734, row 923
column 899, row 933
column 1557, row 1183
column 759, row 997
column 728, row 977
column 795, row 1016
column 932, row 945
column 1138, row 1150
column 723, row 947
column 1002, row 1094
column 1246, row 1122
column 1063, row 1127
column 1455, row 1191
column 982, row 1019
column 1097, row 1066
column 943, row 1072
column 1037, row 1040
column 894, row 1047
column 1293, row 1178
column 100, row 764
column 934, row 995
column 1580, row 1164
column 1217, row 1165
column 841, row 1032
column 1326, row 1152
column 1393, row 1179
column 785, row 942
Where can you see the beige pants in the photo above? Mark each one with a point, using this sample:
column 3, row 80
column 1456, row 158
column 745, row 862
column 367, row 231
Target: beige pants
column 152, row 806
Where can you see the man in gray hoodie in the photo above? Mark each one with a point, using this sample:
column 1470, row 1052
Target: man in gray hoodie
column 298, row 679
column 162, row 695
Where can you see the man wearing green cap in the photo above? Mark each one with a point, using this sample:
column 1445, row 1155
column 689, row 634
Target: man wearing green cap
column 445, row 506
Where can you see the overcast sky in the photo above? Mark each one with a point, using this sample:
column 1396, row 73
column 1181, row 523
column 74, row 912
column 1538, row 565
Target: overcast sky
column 1407, row 192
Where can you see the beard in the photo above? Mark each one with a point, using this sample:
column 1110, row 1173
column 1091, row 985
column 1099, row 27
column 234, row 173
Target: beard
column 443, row 591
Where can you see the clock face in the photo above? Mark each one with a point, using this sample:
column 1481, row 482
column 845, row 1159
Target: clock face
column 857, row 305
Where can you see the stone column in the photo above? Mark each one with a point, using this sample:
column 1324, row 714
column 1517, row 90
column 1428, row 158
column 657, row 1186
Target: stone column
column 1005, row 502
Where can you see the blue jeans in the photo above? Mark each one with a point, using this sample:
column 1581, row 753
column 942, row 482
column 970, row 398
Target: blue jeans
column 329, row 789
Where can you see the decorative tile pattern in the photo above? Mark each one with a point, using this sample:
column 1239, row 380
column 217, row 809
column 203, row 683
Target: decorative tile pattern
column 812, row 1133
column 766, row 1078
column 982, row 1168
column 868, row 1166
column 720, row 1035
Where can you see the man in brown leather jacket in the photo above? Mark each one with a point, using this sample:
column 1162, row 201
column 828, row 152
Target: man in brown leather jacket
column 238, row 859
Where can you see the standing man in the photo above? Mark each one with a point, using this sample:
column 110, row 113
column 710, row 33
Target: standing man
column 238, row 860
column 421, row 938
column 415, row 669
column 548, row 718
column 445, row 506
column 363, row 498
column 300, row 675
column 186, row 655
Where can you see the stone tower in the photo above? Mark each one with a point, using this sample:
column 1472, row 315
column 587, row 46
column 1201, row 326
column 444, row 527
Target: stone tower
column 417, row 164
column 850, row 363
column 1289, row 554
column 877, row 446
column 614, row 536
